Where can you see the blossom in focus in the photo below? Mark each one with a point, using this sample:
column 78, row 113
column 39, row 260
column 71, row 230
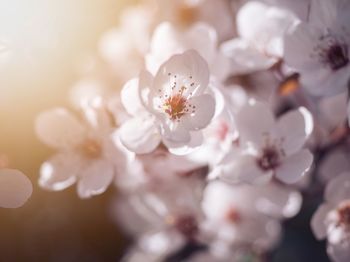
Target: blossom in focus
column 86, row 152
column 268, row 147
column 171, row 107
column 319, row 49
column 15, row 188
column 332, row 218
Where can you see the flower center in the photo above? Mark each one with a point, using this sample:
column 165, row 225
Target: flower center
column 270, row 159
column 344, row 214
column 186, row 224
column 337, row 56
column 175, row 106
column 233, row 216
column 90, row 148
column 332, row 51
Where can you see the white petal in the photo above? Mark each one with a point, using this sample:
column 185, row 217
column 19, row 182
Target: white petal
column 59, row 128
column 140, row 134
column 249, row 18
column 338, row 189
column 294, row 167
column 278, row 201
column 245, row 58
column 294, row 128
column 322, row 81
column 254, row 122
column 190, row 63
column 95, row 178
column 318, row 221
column 147, row 90
column 204, row 112
column 323, row 14
column 175, row 133
column 243, row 168
column 298, row 45
column 130, row 97
column 60, row 171
column 196, row 140
column 339, row 252
column 15, row 188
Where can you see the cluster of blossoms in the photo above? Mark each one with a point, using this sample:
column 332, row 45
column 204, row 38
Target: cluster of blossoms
column 226, row 113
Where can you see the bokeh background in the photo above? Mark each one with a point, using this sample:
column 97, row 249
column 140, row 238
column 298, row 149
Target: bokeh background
column 49, row 39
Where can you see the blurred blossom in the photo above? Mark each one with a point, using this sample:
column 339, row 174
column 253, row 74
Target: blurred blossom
column 331, row 219
column 86, row 155
column 260, row 42
column 318, row 49
column 15, row 188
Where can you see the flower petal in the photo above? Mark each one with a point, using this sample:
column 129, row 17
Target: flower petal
column 139, row 134
column 188, row 64
column 294, row 167
column 323, row 13
column 15, row 188
column 130, row 97
column 60, row 171
column 299, row 42
column 254, row 122
column 196, row 140
column 294, row 128
column 338, row 189
column 95, row 178
column 184, row 148
column 58, row 128
column 245, row 58
column 243, row 168
column 204, row 111
column 339, row 252
column 318, row 220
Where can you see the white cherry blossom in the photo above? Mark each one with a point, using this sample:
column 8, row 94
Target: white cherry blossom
column 318, row 49
column 171, row 107
column 331, row 220
column 231, row 216
column 260, row 43
column 86, row 153
column 268, row 147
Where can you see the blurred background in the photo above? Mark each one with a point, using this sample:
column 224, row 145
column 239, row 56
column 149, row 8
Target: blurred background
column 48, row 41
column 41, row 45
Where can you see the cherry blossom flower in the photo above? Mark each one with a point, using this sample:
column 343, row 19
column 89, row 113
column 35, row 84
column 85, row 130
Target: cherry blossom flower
column 231, row 216
column 318, row 49
column 164, row 216
column 260, row 43
column 171, row 107
column 15, row 188
column 86, row 154
column 268, row 148
column 331, row 220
